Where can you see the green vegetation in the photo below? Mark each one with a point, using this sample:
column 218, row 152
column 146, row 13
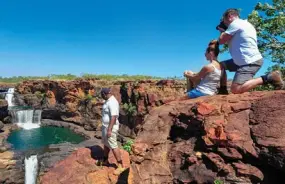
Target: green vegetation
column 218, row 182
column 39, row 94
column 18, row 79
column 91, row 98
column 128, row 146
column 119, row 77
column 130, row 109
column 269, row 21
column 88, row 97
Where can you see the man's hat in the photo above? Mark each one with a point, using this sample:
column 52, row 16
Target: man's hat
column 105, row 91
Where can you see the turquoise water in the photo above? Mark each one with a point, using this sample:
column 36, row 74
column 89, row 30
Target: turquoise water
column 41, row 137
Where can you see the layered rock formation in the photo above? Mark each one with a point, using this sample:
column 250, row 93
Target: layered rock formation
column 11, row 171
column 73, row 101
column 234, row 139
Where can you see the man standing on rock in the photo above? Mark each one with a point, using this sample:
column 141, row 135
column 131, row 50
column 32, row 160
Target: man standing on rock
column 110, row 128
column 246, row 60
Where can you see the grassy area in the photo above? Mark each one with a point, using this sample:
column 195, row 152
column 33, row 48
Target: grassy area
column 119, row 77
column 18, row 79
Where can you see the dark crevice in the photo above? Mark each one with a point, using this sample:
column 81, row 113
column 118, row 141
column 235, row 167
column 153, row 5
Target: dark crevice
column 272, row 175
column 186, row 127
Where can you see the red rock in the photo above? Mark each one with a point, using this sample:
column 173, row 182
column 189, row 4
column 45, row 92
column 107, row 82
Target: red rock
column 50, row 97
column 205, row 108
column 199, row 174
column 174, row 132
column 139, row 148
column 226, row 108
column 98, row 177
column 249, row 171
column 137, row 159
column 71, row 170
column 268, row 131
column 80, row 167
column 192, row 160
column 68, row 100
column 217, row 161
column 238, row 132
column 230, row 153
column 125, row 158
column 241, row 106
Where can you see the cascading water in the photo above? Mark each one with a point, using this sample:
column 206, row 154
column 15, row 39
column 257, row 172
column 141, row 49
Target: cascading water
column 31, row 169
column 9, row 96
column 37, row 117
column 26, row 119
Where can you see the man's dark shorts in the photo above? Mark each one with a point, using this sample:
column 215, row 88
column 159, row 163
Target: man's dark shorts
column 243, row 73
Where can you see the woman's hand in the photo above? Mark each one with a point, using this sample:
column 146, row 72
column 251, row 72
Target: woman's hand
column 188, row 73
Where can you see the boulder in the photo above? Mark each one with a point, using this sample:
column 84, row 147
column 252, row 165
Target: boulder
column 81, row 167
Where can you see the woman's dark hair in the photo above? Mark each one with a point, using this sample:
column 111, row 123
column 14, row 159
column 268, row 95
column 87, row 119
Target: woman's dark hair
column 213, row 46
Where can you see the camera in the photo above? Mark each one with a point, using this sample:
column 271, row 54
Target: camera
column 222, row 25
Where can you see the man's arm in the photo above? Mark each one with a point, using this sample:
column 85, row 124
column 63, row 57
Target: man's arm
column 226, row 35
column 224, row 38
column 114, row 113
column 111, row 124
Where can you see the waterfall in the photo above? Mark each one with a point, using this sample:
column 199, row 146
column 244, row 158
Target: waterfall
column 37, row 117
column 9, row 96
column 27, row 119
column 31, row 169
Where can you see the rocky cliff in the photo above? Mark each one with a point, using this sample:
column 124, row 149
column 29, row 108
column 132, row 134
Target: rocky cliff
column 234, row 139
column 74, row 101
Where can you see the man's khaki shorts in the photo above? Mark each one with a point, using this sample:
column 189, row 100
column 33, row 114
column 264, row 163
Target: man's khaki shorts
column 243, row 73
column 110, row 142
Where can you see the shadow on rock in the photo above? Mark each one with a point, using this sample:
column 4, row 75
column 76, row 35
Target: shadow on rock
column 97, row 152
column 123, row 178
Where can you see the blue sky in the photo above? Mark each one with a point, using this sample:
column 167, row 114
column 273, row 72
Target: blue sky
column 149, row 37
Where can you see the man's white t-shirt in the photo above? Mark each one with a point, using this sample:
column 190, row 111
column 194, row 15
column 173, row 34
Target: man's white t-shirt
column 110, row 108
column 243, row 45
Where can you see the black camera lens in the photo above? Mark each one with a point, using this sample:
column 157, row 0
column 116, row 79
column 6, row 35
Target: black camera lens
column 222, row 25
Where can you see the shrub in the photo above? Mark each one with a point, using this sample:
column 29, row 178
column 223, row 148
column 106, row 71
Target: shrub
column 218, row 182
column 263, row 88
column 130, row 109
column 88, row 97
column 39, row 94
column 128, row 146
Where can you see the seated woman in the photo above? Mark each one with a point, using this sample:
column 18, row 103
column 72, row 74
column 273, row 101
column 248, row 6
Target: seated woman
column 208, row 79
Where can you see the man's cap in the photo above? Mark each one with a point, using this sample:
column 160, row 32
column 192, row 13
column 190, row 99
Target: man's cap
column 105, row 91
